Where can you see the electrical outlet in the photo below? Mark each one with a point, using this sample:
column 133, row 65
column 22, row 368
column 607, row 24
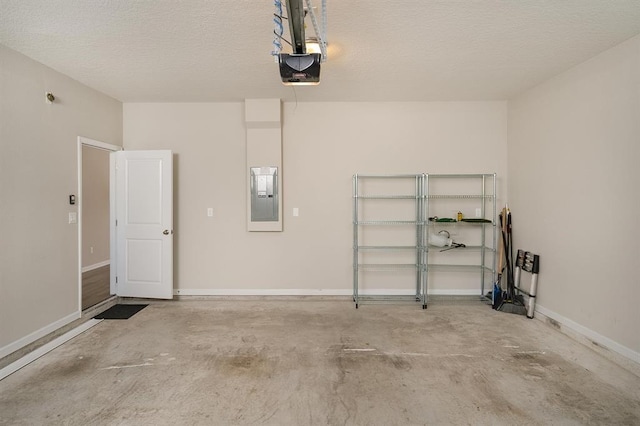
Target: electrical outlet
column 478, row 212
column 73, row 217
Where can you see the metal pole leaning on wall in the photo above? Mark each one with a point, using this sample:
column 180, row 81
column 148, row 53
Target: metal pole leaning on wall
column 531, row 303
column 529, row 262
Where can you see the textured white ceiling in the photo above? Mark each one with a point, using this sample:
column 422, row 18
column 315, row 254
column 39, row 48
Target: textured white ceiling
column 380, row 50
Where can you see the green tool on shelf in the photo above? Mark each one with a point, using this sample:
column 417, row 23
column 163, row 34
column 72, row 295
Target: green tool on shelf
column 442, row 219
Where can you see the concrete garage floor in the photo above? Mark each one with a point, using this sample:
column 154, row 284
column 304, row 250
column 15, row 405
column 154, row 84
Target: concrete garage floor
column 321, row 362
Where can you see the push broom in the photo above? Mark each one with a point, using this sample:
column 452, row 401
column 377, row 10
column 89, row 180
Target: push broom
column 496, row 295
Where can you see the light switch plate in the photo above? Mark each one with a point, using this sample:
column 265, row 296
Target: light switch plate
column 73, row 217
column 210, row 212
column 296, row 212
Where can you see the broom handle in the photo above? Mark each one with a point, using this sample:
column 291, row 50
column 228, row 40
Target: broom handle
column 501, row 258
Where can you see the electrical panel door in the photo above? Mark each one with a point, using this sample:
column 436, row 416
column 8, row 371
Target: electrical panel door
column 264, row 194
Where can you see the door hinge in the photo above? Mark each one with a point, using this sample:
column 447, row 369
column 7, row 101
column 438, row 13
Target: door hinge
column 116, row 280
column 116, row 222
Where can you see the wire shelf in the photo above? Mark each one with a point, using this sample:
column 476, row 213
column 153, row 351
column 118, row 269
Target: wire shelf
column 371, row 298
column 390, row 247
column 401, row 176
column 388, row 197
column 459, row 222
column 389, row 266
column 460, row 267
column 388, row 222
column 461, row 175
column 465, row 248
column 459, row 196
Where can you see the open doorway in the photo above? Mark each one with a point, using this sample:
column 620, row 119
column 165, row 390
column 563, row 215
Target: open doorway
column 94, row 188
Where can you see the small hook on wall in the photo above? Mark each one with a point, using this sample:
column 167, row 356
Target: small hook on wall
column 50, row 97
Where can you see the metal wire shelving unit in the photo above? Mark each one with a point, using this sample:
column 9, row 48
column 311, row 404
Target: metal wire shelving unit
column 425, row 197
column 412, row 256
column 482, row 194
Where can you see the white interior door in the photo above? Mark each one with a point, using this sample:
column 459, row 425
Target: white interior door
column 144, row 224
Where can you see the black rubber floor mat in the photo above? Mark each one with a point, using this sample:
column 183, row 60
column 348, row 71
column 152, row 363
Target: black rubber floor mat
column 120, row 312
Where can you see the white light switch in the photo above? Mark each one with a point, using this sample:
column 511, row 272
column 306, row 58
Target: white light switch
column 296, row 212
column 478, row 212
column 73, row 217
column 210, row 212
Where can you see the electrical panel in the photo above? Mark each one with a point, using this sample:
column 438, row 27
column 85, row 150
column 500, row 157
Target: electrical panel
column 264, row 194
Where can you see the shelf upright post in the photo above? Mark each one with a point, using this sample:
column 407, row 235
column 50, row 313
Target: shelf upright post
column 422, row 264
column 426, row 231
column 495, row 232
column 483, row 236
column 355, row 239
column 417, row 215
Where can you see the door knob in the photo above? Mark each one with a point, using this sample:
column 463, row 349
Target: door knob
column 165, row 232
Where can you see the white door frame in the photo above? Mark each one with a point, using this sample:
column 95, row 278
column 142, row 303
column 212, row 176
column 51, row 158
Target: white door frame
column 112, row 214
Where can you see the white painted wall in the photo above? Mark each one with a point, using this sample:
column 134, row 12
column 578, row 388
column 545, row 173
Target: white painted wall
column 38, row 171
column 574, row 171
column 324, row 144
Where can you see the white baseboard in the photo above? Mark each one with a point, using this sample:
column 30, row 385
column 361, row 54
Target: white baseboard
column 572, row 328
column 314, row 292
column 21, row 343
column 96, row 266
column 260, row 292
column 43, row 350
